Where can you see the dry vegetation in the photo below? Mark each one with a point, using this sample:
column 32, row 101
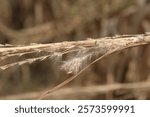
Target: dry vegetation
column 31, row 61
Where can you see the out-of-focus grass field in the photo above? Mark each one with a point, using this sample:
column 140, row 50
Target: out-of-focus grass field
column 23, row 22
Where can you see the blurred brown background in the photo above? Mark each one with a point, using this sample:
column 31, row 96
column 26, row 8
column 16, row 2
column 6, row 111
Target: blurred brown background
column 46, row 21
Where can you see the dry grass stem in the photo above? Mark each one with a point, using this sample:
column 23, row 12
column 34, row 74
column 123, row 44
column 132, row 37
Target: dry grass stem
column 69, row 93
column 82, row 53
